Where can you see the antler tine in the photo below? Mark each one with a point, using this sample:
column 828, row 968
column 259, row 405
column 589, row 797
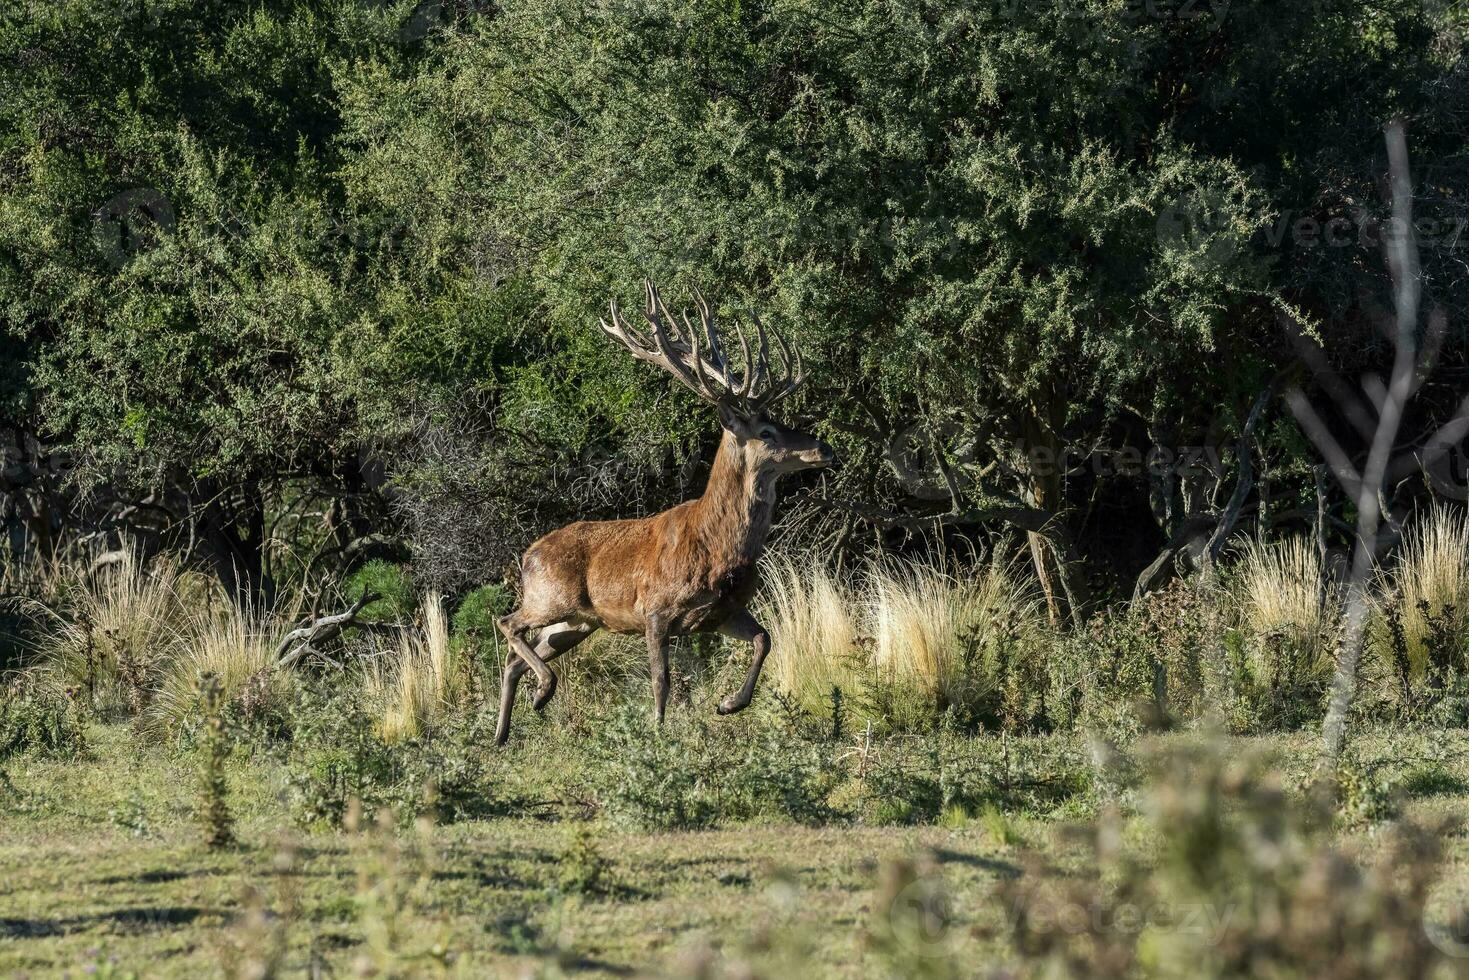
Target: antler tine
column 747, row 379
column 714, row 364
column 620, row 329
column 657, row 353
column 706, row 320
column 704, row 368
column 693, row 355
column 740, row 389
column 791, row 367
column 678, row 352
column 762, row 362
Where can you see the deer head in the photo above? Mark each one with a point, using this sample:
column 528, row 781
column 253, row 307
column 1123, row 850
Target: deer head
column 743, row 397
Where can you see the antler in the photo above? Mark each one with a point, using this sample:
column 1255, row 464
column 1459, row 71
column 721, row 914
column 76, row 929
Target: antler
column 708, row 373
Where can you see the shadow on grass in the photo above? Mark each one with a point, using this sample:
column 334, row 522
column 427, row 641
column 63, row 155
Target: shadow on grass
column 144, row 919
column 1434, row 782
column 1004, row 869
column 518, row 934
column 150, row 877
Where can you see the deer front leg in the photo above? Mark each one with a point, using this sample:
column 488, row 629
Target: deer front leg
column 658, row 664
column 743, row 626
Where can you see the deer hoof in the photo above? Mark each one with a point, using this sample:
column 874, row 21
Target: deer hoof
column 730, row 705
column 543, row 693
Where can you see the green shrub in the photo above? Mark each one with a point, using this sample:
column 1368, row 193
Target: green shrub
column 583, row 869
column 694, row 773
column 474, row 622
column 36, row 720
column 1273, row 685
column 1367, row 791
column 916, row 781
column 1172, row 659
column 1253, row 884
column 1122, row 669
column 215, row 819
column 336, row 757
column 480, row 609
column 1426, row 675
column 397, row 601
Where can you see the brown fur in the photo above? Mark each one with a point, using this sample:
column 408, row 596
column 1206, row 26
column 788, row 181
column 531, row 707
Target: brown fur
column 690, row 569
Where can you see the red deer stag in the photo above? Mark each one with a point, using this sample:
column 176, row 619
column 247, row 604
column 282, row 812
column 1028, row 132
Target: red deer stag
column 690, row 569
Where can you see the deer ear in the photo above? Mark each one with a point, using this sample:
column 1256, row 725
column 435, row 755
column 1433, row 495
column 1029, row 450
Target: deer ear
column 731, row 419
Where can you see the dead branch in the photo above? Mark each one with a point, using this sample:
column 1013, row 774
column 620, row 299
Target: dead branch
column 307, row 638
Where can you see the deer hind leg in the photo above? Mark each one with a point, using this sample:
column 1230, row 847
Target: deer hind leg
column 743, row 626
column 509, row 681
column 554, row 640
column 514, row 626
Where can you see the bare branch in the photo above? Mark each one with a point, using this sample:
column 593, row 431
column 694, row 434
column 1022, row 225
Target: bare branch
column 307, row 638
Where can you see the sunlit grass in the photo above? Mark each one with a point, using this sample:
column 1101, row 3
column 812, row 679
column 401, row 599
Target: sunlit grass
column 1282, row 592
column 122, row 623
column 422, row 679
column 811, row 617
column 904, row 624
column 235, row 645
column 1428, row 580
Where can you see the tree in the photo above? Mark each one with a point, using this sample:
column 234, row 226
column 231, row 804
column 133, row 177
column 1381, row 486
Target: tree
column 957, row 205
column 175, row 279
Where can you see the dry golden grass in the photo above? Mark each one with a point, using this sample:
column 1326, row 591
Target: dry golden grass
column 123, row 622
column 902, row 623
column 237, row 646
column 424, row 679
column 1428, row 579
column 915, row 615
column 813, row 628
column 1278, row 589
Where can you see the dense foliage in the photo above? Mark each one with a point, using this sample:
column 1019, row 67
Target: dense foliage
column 283, row 282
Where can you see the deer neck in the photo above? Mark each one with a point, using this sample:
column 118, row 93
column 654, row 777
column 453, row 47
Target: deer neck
column 737, row 505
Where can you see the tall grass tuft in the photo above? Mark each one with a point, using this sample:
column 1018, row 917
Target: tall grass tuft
column 425, row 678
column 1284, row 598
column 903, row 627
column 235, row 646
column 813, row 631
column 111, row 648
column 916, row 615
column 953, row 638
column 1429, row 584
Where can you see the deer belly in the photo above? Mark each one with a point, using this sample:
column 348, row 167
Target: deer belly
column 704, row 617
column 707, row 609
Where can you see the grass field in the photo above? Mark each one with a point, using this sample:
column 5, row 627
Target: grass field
column 101, row 869
column 933, row 781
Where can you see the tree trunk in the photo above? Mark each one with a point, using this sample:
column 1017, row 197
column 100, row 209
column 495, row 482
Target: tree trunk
column 232, row 527
column 1057, row 565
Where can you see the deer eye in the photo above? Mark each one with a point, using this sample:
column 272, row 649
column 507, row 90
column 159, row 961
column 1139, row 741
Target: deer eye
column 767, row 432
